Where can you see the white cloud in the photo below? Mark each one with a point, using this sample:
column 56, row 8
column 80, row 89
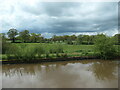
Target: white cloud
column 59, row 17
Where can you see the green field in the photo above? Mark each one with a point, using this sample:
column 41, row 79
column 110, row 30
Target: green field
column 66, row 48
column 70, row 50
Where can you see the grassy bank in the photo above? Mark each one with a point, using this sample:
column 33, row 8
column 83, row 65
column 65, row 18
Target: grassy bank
column 41, row 50
column 32, row 51
column 66, row 48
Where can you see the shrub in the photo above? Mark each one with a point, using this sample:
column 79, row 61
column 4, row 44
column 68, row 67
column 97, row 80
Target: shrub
column 23, row 52
column 89, row 50
column 52, row 50
column 104, row 47
column 4, row 46
column 56, row 49
column 85, row 52
column 79, row 51
column 59, row 49
column 29, row 52
column 64, row 55
column 57, row 55
column 11, row 51
column 47, row 55
column 39, row 51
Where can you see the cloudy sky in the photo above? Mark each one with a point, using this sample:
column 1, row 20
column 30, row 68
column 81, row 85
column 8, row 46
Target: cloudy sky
column 60, row 18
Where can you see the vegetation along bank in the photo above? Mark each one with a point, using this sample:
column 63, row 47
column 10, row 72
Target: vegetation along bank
column 31, row 47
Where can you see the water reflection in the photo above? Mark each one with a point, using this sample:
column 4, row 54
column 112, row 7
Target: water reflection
column 73, row 74
column 105, row 70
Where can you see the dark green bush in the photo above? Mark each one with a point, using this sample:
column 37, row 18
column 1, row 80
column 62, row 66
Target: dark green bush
column 24, row 52
column 47, row 55
column 57, row 55
column 5, row 45
column 39, row 51
column 56, row 49
column 104, row 46
column 79, row 51
column 64, row 55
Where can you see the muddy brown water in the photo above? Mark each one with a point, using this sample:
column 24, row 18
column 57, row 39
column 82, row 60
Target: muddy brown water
column 68, row 74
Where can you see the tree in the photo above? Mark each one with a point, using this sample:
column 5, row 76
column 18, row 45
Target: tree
column 104, row 46
column 79, row 39
column 35, row 37
column 117, row 39
column 54, row 38
column 92, row 38
column 3, row 44
column 73, row 37
column 24, row 35
column 12, row 33
column 2, row 36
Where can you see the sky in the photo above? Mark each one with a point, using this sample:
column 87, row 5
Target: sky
column 59, row 18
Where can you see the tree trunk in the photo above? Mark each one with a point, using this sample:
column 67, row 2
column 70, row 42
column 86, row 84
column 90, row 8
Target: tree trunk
column 13, row 40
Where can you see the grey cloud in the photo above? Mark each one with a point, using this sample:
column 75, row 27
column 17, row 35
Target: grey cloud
column 50, row 8
column 62, row 17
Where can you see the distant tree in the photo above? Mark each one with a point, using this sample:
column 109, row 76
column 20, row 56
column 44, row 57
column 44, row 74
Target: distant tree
column 35, row 37
column 24, row 35
column 12, row 33
column 104, row 46
column 92, row 38
column 79, row 39
column 66, row 37
column 3, row 44
column 2, row 36
column 117, row 38
column 86, row 39
column 73, row 37
column 18, row 39
column 55, row 38
column 69, row 41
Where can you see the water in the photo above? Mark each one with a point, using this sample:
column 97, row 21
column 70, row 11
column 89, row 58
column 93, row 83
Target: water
column 71, row 74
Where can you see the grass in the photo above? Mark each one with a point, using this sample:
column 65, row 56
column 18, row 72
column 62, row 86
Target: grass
column 43, row 50
column 66, row 48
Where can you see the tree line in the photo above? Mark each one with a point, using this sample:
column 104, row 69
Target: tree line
column 26, row 37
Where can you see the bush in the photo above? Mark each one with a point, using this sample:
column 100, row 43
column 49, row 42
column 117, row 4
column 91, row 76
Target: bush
column 39, row 51
column 79, row 51
column 85, row 52
column 64, row 55
column 56, row 49
column 57, row 55
column 11, row 52
column 5, row 45
column 59, row 49
column 47, row 55
column 30, row 52
column 104, row 46
column 24, row 52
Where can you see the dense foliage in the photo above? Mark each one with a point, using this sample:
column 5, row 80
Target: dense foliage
column 104, row 46
column 27, row 37
column 12, row 33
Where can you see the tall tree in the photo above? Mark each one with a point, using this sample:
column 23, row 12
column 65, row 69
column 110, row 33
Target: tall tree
column 24, row 35
column 12, row 33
